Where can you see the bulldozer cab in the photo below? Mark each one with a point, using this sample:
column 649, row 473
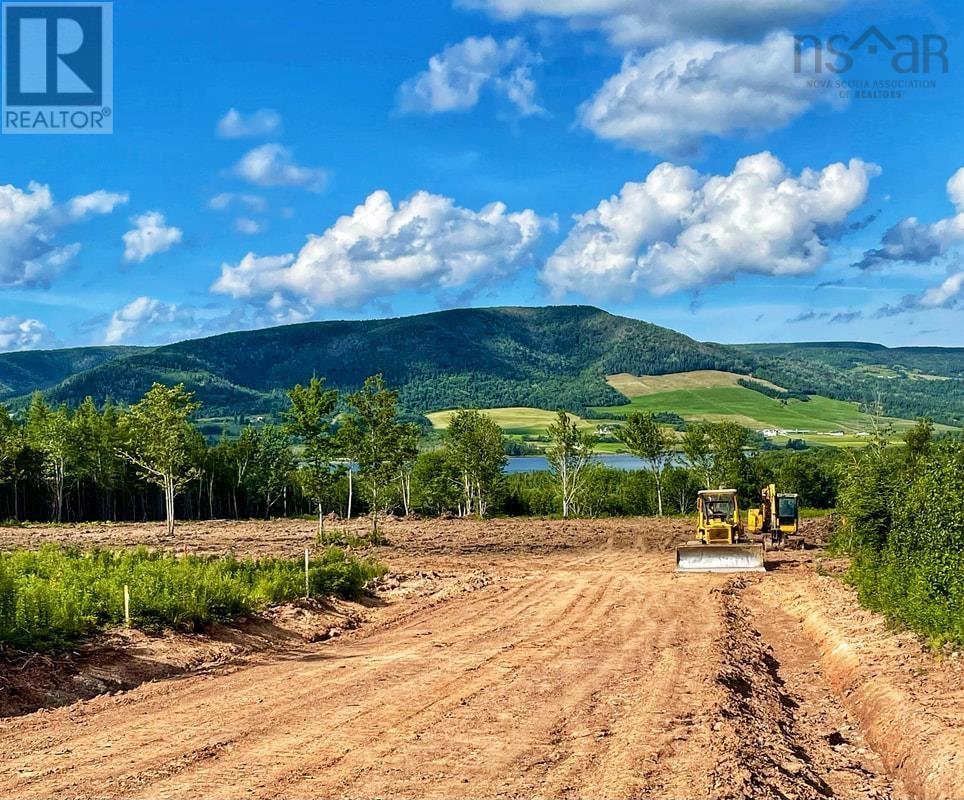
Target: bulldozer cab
column 787, row 511
column 719, row 507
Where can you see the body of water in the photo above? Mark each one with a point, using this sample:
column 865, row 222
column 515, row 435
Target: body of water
column 539, row 463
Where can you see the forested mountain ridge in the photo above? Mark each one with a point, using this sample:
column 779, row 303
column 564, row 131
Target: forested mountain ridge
column 544, row 357
column 483, row 357
column 28, row 370
column 910, row 381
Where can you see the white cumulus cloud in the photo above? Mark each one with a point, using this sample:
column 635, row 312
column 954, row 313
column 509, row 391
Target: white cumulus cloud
column 99, row 202
column 948, row 294
column 30, row 221
column 668, row 100
column 18, row 333
column 456, row 77
column 913, row 241
column 140, row 316
column 150, row 235
column 633, row 22
column 274, row 165
column 426, row 242
column 679, row 229
column 264, row 122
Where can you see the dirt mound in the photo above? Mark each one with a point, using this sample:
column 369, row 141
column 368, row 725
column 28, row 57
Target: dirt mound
column 759, row 754
column 816, row 531
column 121, row 659
column 910, row 705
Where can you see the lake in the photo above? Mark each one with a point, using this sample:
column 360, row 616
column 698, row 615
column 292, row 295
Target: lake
column 539, row 463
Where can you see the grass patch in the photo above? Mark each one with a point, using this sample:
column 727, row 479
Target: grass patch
column 54, row 595
column 753, row 409
column 341, row 537
column 515, row 421
column 639, row 385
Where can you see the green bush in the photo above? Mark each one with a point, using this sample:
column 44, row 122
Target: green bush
column 54, row 595
column 904, row 526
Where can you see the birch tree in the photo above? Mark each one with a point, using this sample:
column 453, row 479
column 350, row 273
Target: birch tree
column 310, row 418
column 157, row 440
column 12, row 443
column 49, row 433
column 374, row 437
column 646, row 439
column 696, row 448
column 407, row 454
column 569, row 456
column 728, row 440
column 474, row 446
column 271, row 466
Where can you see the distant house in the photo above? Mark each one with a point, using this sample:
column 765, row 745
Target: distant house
column 770, row 432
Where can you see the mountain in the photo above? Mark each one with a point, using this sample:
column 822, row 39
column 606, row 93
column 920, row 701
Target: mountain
column 550, row 357
column 28, row 370
column 910, row 381
column 543, row 357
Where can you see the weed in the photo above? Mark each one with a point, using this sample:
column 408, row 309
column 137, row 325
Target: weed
column 53, row 595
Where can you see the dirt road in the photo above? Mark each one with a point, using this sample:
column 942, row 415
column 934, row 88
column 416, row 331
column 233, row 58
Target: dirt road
column 587, row 672
column 516, row 658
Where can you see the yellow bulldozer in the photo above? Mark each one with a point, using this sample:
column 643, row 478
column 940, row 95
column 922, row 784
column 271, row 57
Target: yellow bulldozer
column 777, row 520
column 722, row 544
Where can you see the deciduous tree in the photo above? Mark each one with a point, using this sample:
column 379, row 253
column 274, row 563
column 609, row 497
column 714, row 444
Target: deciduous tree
column 570, row 456
column 373, row 434
column 310, row 418
column 727, row 441
column 696, row 448
column 475, row 446
column 644, row 437
column 157, row 440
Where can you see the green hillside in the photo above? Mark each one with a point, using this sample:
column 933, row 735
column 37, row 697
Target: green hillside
column 25, row 371
column 540, row 358
column 543, row 357
column 911, row 381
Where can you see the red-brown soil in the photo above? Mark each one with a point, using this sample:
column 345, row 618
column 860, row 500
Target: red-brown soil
column 512, row 658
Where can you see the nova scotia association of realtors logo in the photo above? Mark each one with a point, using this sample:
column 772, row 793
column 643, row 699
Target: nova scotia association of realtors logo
column 57, row 68
column 891, row 66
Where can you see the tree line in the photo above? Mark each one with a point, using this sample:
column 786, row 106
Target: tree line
column 356, row 454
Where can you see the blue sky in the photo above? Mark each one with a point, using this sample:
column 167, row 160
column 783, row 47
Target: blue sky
column 355, row 178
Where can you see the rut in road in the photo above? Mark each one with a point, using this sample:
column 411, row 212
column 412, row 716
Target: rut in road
column 588, row 675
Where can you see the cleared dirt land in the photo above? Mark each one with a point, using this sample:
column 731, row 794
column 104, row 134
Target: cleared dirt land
column 523, row 659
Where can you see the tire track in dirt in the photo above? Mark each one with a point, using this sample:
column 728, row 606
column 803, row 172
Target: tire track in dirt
column 197, row 719
column 594, row 667
column 422, row 716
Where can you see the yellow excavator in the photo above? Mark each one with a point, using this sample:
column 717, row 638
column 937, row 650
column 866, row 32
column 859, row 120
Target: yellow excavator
column 777, row 520
column 722, row 544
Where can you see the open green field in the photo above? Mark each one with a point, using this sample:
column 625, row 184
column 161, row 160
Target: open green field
column 518, row 421
column 752, row 409
column 826, row 422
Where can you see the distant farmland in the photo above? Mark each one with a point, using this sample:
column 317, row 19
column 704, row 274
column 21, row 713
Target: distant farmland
column 709, row 395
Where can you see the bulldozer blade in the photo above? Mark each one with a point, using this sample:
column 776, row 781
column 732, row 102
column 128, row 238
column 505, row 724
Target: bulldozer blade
column 720, row 558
